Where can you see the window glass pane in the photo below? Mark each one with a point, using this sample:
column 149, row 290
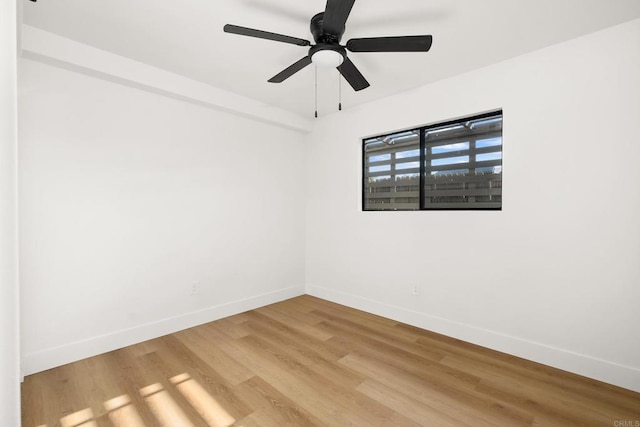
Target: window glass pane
column 399, row 188
column 380, row 158
column 407, row 177
column 450, row 172
column 483, row 124
column 462, row 167
column 409, row 165
column 492, row 142
column 488, row 156
column 450, row 161
column 450, row 147
column 407, row 154
column 489, row 169
column 455, row 182
column 382, row 168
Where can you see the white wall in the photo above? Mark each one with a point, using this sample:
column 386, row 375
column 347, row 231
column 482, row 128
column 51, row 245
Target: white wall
column 66, row 53
column 9, row 342
column 128, row 198
column 554, row 276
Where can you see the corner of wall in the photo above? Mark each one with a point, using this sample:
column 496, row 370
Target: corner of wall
column 71, row 352
column 602, row 370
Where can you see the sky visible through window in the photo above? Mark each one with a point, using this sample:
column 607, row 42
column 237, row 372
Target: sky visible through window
column 442, row 149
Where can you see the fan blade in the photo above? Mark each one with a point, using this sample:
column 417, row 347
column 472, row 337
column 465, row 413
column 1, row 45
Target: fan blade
column 335, row 16
column 244, row 31
column 391, row 44
column 290, row 71
column 353, row 75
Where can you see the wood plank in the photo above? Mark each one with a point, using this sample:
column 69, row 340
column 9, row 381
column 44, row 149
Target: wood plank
column 372, row 338
column 311, row 397
column 414, row 410
column 125, row 368
column 455, row 402
column 228, row 368
column 32, row 397
column 352, row 406
column 310, row 362
column 399, row 420
column 309, row 358
column 273, row 404
column 296, row 322
column 178, row 360
column 288, row 337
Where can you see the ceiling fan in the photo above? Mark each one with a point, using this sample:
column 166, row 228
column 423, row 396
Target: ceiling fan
column 327, row 29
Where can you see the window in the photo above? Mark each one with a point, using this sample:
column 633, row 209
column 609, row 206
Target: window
column 452, row 165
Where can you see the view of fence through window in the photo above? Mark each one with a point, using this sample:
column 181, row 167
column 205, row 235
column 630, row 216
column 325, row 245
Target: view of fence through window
column 453, row 165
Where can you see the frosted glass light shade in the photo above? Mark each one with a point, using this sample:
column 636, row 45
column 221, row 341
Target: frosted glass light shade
column 327, row 58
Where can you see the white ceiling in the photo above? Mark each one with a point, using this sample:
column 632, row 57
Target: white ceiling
column 186, row 37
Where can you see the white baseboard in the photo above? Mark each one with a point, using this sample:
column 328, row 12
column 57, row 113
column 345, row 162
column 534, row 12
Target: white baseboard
column 602, row 370
column 57, row 356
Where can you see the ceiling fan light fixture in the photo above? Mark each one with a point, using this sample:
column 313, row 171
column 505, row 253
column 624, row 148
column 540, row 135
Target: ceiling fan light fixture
column 327, row 58
column 327, row 29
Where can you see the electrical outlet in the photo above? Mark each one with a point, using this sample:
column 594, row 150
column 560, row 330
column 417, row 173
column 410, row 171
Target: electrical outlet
column 415, row 290
column 195, row 288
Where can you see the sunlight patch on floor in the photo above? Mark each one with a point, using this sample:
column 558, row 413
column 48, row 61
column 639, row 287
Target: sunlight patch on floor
column 122, row 413
column 82, row 418
column 208, row 408
column 164, row 408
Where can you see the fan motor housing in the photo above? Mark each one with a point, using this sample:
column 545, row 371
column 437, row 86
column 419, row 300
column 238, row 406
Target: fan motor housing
column 319, row 36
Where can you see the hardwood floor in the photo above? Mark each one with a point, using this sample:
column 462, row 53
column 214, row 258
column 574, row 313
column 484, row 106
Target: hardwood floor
column 309, row 362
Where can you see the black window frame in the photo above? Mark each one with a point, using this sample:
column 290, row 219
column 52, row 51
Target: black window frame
column 423, row 162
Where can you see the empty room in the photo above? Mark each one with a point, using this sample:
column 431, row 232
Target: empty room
column 322, row 213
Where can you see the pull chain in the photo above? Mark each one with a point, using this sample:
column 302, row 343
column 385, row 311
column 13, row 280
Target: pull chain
column 339, row 92
column 316, row 85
